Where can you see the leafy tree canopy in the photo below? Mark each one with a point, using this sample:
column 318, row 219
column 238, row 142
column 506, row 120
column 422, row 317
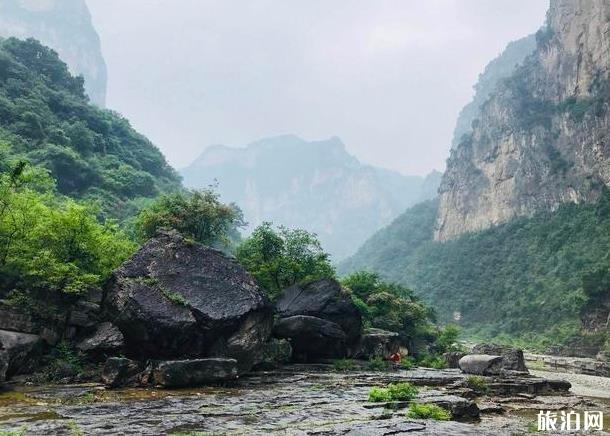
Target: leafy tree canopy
column 281, row 257
column 92, row 153
column 196, row 214
column 50, row 245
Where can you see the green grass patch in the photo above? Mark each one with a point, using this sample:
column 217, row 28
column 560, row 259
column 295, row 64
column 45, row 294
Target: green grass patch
column 393, row 392
column 428, row 411
column 378, row 363
column 344, row 365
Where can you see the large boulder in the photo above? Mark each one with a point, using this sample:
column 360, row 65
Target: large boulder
column 105, row 340
column 178, row 299
column 119, row 372
column 481, row 364
column 312, row 338
column 185, row 373
column 323, row 299
column 19, row 353
column 512, row 358
column 377, row 343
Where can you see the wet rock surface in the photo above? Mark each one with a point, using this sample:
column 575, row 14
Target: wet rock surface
column 177, row 299
column 197, row 372
column 293, row 400
column 19, row 353
column 377, row 343
column 323, row 299
column 312, row 338
column 106, row 339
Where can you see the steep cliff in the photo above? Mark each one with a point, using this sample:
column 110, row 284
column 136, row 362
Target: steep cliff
column 65, row 26
column 498, row 69
column 542, row 137
column 315, row 185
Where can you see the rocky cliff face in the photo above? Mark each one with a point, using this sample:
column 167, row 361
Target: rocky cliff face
column 315, row 185
column 498, row 69
column 542, row 137
column 65, row 26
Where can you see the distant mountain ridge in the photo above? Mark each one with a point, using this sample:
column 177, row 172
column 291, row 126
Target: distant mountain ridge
column 66, row 27
column 315, row 185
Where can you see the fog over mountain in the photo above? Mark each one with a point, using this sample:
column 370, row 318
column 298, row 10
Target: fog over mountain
column 378, row 74
column 314, row 185
column 65, row 26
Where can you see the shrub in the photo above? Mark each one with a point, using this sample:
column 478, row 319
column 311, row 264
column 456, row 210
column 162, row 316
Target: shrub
column 393, row 392
column 402, row 391
column 431, row 361
column 344, row 365
column 408, row 363
column 477, row 383
column 379, row 395
column 378, row 363
column 428, row 411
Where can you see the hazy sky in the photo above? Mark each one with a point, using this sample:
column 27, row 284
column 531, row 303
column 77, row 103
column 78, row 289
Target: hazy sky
column 387, row 76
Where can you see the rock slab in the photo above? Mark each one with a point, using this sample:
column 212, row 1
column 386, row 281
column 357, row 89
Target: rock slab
column 197, row 372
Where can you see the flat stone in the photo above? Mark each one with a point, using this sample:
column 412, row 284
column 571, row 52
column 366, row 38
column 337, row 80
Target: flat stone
column 196, row 372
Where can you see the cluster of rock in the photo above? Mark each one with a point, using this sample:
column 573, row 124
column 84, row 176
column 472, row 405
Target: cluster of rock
column 185, row 314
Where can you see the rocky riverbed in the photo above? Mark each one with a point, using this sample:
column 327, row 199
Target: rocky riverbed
column 296, row 399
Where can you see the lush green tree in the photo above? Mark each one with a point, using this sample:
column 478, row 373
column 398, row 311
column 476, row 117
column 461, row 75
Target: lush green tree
column 390, row 306
column 49, row 245
column 199, row 215
column 281, row 257
column 93, row 154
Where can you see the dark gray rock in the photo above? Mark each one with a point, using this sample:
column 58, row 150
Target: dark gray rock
column 512, row 358
column 84, row 314
column 462, row 409
column 107, row 339
column 119, row 372
column 452, row 358
column 19, row 353
column 178, row 299
column 312, row 338
column 481, row 364
column 377, row 343
column 276, row 352
column 197, row 372
column 323, row 299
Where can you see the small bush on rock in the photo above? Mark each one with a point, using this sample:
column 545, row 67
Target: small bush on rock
column 393, row 392
column 477, row 383
column 428, row 411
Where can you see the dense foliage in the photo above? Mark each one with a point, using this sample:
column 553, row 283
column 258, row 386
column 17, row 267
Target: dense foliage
column 281, row 257
column 390, row 306
column 529, row 278
column 196, row 214
column 50, row 246
column 91, row 153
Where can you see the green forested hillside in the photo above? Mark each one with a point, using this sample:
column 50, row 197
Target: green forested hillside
column 521, row 279
column 45, row 118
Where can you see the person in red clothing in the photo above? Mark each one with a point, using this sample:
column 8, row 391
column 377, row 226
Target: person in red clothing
column 395, row 359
